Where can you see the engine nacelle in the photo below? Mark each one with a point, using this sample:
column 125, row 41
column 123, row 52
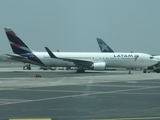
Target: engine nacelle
column 99, row 66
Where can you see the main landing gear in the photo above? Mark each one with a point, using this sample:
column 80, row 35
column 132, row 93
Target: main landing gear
column 144, row 71
column 129, row 72
column 80, row 70
column 27, row 67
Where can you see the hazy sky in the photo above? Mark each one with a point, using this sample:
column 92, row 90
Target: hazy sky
column 74, row 25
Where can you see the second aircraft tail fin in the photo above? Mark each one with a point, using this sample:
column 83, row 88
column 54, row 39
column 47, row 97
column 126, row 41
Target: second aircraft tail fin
column 103, row 46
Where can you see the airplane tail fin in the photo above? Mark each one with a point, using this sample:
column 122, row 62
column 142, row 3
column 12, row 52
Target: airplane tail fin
column 103, row 46
column 17, row 45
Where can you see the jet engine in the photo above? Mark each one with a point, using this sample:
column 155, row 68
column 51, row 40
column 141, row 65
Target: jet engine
column 98, row 66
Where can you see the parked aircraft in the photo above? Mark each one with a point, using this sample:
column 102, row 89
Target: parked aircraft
column 105, row 48
column 82, row 60
column 99, row 61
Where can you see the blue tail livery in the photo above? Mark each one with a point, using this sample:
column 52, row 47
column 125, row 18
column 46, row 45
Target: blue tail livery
column 22, row 52
column 18, row 46
column 103, row 46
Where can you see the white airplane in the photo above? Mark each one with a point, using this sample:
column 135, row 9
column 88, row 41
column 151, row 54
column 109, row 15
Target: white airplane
column 99, row 61
column 82, row 60
column 105, row 48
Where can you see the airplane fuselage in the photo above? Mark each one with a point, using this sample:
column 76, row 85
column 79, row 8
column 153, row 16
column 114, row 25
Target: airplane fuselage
column 128, row 60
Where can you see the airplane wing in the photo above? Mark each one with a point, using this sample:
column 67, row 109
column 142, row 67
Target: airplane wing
column 75, row 61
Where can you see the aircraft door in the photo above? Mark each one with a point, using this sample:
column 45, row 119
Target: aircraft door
column 142, row 60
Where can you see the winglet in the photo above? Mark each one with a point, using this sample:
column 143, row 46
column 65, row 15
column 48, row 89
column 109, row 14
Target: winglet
column 50, row 53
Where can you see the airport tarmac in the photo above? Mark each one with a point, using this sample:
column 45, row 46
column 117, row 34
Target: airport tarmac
column 66, row 95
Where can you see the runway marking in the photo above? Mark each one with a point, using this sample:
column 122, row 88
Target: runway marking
column 24, row 89
column 94, row 84
column 88, row 88
column 139, row 93
column 8, row 101
column 140, row 118
column 131, row 82
column 11, row 99
column 102, row 85
column 79, row 95
column 8, row 88
column 31, row 119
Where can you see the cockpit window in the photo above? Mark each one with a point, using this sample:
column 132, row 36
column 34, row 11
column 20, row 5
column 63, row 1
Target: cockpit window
column 151, row 57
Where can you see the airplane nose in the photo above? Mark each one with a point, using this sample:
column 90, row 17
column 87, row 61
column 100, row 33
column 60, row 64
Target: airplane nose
column 154, row 61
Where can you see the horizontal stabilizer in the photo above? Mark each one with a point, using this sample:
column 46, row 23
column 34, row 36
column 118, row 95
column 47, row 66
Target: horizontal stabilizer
column 16, row 56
